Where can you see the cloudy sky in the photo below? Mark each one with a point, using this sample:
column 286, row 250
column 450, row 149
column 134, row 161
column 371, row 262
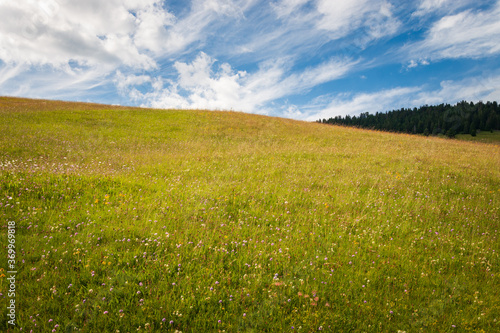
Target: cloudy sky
column 291, row 58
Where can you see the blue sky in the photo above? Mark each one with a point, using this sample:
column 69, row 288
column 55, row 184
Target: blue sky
column 290, row 58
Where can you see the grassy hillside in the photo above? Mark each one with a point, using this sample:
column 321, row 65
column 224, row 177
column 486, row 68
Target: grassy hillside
column 484, row 136
column 137, row 219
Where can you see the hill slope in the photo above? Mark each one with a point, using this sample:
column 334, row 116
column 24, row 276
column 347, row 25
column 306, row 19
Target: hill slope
column 205, row 221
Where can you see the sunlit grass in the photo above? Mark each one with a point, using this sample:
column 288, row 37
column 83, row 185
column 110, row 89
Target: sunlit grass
column 204, row 221
column 484, row 137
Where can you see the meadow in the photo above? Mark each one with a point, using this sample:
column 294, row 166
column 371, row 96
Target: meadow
column 484, row 136
column 133, row 219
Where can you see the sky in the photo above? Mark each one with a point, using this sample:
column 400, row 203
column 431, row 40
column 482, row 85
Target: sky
column 299, row 59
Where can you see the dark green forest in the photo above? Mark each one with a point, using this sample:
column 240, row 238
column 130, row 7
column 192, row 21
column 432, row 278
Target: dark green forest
column 462, row 118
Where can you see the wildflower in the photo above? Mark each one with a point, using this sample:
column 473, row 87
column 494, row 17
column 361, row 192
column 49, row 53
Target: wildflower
column 105, row 312
column 171, row 322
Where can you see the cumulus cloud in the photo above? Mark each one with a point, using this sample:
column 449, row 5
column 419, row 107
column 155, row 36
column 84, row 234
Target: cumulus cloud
column 70, row 40
column 50, row 33
column 414, row 63
column 151, row 28
column 97, row 33
column 205, row 84
column 92, row 33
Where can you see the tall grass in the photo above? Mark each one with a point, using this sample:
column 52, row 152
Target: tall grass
column 138, row 219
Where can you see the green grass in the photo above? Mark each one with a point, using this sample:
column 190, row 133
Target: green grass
column 163, row 220
column 484, row 137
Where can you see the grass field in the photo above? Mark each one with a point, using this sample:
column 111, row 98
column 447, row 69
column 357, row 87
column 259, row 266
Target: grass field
column 163, row 220
column 484, row 136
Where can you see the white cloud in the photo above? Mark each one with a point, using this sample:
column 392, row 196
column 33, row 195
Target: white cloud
column 313, row 76
column 9, row 72
column 468, row 34
column 292, row 111
column 342, row 17
column 414, row 63
column 51, row 32
column 151, row 28
column 304, row 26
column 485, row 88
column 285, row 8
column 157, row 53
column 366, row 102
column 204, row 17
column 427, row 7
column 71, row 40
column 126, row 83
column 46, row 83
column 199, row 86
column 105, row 34
column 222, row 7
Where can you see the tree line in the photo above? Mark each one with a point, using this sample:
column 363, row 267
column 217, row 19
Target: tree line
column 462, row 118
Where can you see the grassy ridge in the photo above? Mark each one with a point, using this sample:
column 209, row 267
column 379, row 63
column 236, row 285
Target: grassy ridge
column 210, row 221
